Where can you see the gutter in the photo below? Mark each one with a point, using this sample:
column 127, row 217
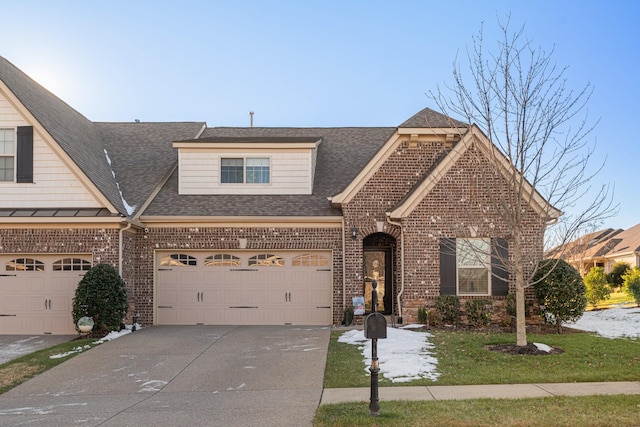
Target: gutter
column 399, row 224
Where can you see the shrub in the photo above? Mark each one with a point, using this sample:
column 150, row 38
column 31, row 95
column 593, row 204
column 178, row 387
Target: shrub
column 615, row 276
column 511, row 306
column 478, row 311
column 632, row 283
column 597, row 288
column 561, row 290
column 101, row 295
column 448, row 306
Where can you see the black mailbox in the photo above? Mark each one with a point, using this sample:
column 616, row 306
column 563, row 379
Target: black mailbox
column 375, row 326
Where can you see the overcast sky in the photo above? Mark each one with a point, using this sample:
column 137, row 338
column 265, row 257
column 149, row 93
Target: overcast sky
column 317, row 63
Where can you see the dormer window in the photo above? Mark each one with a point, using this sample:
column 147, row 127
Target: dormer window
column 250, row 170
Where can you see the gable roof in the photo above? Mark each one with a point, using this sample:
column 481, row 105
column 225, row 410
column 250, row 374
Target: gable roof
column 341, row 155
column 592, row 245
column 428, row 118
column 73, row 132
column 431, row 179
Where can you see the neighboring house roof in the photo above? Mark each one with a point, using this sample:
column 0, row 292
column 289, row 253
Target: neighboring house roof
column 627, row 242
column 341, row 156
column 73, row 132
column 596, row 245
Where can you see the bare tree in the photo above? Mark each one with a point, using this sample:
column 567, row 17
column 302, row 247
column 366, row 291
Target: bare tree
column 521, row 101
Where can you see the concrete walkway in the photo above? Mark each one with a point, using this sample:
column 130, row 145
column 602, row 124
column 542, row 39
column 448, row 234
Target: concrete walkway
column 495, row 391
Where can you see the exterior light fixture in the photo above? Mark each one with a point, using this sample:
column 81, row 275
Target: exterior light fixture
column 354, row 232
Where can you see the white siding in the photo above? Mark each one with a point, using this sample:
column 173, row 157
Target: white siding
column 54, row 185
column 291, row 172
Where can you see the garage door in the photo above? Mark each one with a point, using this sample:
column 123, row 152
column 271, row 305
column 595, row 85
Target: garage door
column 36, row 292
column 243, row 288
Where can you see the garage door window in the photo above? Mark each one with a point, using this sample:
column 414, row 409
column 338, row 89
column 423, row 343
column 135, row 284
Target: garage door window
column 178, row 260
column 25, row 264
column 266, row 260
column 71, row 264
column 222, row 260
column 310, row 260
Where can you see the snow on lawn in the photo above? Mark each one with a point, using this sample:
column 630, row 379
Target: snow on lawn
column 403, row 356
column 406, row 355
column 611, row 323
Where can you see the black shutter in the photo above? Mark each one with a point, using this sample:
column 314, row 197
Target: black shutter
column 24, row 153
column 448, row 266
column 499, row 267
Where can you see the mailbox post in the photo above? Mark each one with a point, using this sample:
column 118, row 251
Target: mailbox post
column 375, row 327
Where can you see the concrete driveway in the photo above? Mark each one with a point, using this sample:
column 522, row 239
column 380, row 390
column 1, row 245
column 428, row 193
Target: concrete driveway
column 181, row 375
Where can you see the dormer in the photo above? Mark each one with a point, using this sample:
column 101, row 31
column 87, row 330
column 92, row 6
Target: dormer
column 247, row 166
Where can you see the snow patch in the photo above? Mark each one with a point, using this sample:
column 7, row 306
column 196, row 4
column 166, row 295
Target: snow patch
column 611, row 323
column 542, row 347
column 405, row 355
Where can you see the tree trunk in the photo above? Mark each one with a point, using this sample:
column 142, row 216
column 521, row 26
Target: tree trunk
column 518, row 262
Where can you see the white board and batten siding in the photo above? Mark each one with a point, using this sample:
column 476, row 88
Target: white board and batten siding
column 54, row 186
column 291, row 172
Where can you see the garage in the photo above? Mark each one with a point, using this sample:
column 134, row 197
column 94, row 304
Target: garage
column 243, row 288
column 36, row 292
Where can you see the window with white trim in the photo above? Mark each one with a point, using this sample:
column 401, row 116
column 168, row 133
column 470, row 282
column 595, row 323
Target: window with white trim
column 7, row 154
column 250, row 170
column 474, row 266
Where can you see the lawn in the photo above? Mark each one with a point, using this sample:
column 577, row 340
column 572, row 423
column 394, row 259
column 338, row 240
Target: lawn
column 463, row 359
column 19, row 370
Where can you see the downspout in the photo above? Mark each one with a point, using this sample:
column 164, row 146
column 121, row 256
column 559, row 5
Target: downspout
column 344, row 269
column 399, row 224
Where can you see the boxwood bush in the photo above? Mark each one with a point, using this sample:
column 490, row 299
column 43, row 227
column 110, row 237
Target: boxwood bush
column 101, row 295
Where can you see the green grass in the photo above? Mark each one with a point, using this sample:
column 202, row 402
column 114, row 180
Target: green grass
column 616, row 299
column 19, row 370
column 463, row 359
column 544, row 412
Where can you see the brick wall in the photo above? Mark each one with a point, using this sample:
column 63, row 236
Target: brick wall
column 464, row 203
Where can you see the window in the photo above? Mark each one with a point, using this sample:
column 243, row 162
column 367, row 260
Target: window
column 7, row 154
column 25, row 264
column 310, row 260
column 474, row 263
column 71, row 264
column 231, row 171
column 267, row 260
column 178, row 260
column 253, row 170
column 222, row 260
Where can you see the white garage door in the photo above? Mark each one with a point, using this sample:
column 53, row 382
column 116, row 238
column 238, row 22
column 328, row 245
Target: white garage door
column 243, row 288
column 36, row 292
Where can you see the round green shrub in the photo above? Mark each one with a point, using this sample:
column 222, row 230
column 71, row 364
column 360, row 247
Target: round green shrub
column 559, row 287
column 597, row 286
column 632, row 283
column 101, row 295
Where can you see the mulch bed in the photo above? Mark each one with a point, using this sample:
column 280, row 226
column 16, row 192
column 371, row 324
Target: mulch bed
column 530, row 349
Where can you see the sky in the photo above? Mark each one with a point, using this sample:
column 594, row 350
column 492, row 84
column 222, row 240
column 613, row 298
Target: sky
column 325, row 63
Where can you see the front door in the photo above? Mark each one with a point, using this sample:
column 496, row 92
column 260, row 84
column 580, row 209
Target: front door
column 378, row 267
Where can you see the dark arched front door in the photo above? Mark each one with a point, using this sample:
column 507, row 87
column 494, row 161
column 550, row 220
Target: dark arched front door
column 378, row 251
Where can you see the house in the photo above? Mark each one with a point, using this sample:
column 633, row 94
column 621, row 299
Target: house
column 221, row 225
column 602, row 248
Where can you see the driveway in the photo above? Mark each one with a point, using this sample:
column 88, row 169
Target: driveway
column 181, row 375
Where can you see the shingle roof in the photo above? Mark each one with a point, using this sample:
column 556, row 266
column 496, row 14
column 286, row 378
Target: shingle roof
column 142, row 154
column 75, row 134
column 428, row 118
column 341, row 156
